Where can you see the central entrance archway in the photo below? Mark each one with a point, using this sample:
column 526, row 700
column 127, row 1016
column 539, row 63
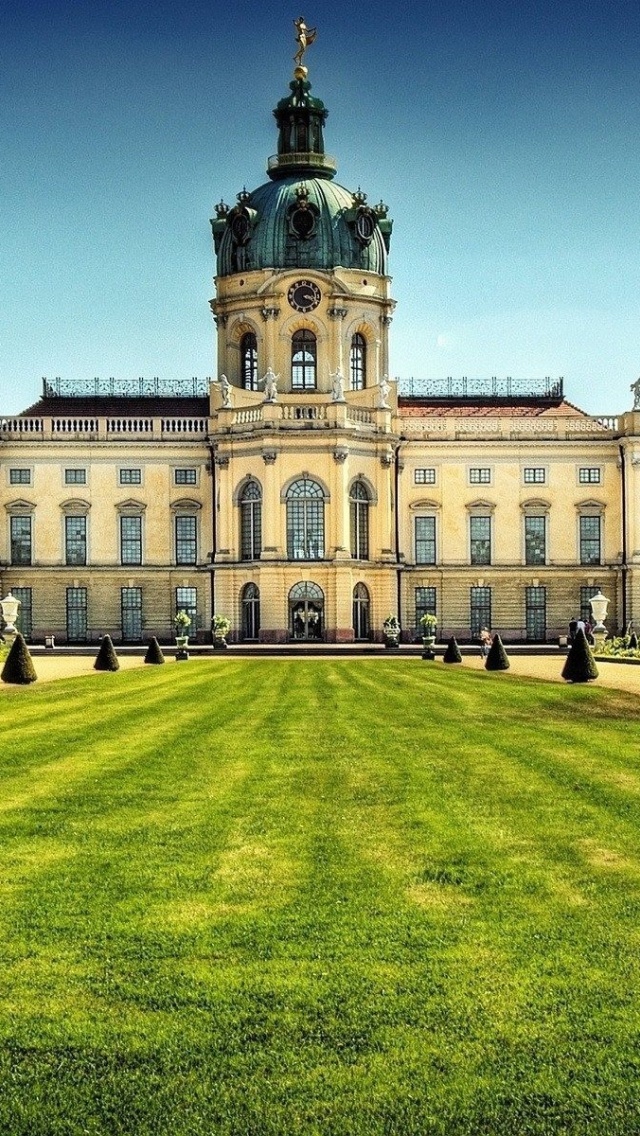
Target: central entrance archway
column 306, row 612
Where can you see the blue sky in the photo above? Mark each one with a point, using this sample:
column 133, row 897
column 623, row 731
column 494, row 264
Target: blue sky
column 504, row 141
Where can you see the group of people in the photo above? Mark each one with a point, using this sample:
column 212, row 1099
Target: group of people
column 576, row 625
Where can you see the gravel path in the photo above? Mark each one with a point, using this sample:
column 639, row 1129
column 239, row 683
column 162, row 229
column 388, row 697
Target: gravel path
column 618, row 675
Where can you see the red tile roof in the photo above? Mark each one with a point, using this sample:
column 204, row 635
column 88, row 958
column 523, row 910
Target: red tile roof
column 467, row 408
column 116, row 407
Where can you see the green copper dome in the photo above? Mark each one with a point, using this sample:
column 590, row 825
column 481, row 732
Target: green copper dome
column 301, row 218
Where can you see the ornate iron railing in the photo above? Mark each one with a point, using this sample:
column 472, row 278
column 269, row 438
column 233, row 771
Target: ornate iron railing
column 464, row 387
column 125, row 388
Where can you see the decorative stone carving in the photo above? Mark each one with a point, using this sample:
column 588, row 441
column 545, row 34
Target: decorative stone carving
column 340, row 455
column 222, row 460
column 337, row 313
column 225, row 391
column 383, row 393
column 270, row 382
column 270, row 313
column 269, row 457
column 337, row 386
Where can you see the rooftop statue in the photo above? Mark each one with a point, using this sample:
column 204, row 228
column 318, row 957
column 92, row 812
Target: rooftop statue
column 635, row 387
column 304, row 37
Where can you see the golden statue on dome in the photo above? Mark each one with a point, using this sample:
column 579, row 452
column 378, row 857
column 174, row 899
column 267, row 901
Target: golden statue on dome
column 304, row 38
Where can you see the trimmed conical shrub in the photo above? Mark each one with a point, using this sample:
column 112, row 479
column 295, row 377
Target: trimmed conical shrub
column 18, row 667
column 633, row 641
column 452, row 653
column 497, row 659
column 106, row 659
column 580, row 665
column 154, row 652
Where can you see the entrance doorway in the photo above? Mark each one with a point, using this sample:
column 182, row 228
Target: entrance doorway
column 306, row 612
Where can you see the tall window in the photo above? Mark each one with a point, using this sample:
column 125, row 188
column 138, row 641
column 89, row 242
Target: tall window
column 358, row 362
column 186, row 540
column 305, row 520
column 21, row 547
column 480, row 604
column 251, row 521
column 536, row 614
column 250, row 612
column 425, row 540
column 535, row 545
column 187, row 600
column 75, row 538
column 24, row 622
column 131, row 611
column 249, row 361
column 76, row 615
column 425, row 605
column 480, row 540
column 590, row 540
column 303, row 360
column 131, row 540
column 359, row 505
column 361, row 612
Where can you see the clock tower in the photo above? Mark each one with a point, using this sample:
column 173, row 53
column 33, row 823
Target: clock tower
column 303, row 415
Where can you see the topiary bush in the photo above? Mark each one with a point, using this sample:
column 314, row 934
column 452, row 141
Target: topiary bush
column 497, row 659
column 154, row 652
column 580, row 665
column 106, row 659
column 452, row 653
column 19, row 668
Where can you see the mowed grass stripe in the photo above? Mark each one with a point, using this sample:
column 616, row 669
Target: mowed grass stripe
column 328, row 896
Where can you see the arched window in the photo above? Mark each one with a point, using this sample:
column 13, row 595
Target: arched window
column 358, row 362
column 361, row 614
column 251, row 521
column 303, row 360
column 250, row 612
column 359, row 506
column 249, row 361
column 305, row 520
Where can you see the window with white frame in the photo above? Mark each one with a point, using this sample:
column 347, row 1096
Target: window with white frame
column 425, row 539
column 75, row 477
column 19, row 477
column 186, row 539
column 480, row 475
column 589, row 475
column 535, row 475
column 424, row 476
column 187, row 476
column 535, row 547
column 479, row 539
column 131, row 477
column 590, row 538
column 130, row 539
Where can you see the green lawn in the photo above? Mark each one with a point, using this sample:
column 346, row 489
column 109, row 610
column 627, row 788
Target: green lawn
column 335, row 897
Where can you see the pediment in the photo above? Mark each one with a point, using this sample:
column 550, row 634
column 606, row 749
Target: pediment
column 20, row 505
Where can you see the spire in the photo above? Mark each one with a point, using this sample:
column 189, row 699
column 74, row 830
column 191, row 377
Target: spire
column 301, row 119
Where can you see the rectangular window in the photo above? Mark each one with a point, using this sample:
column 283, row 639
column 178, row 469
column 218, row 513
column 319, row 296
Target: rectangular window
column 424, row 476
column 425, row 602
column 425, row 540
column 75, row 477
column 480, row 540
column 131, row 612
column 24, row 622
column 535, row 475
column 19, row 477
column 590, row 540
column 187, row 600
column 186, row 540
column 131, row 477
column 76, row 615
column 480, row 604
column 589, row 475
column 185, row 477
column 21, row 550
column 479, row 476
column 536, row 614
column 535, row 547
column 75, row 538
column 586, row 595
column 131, row 540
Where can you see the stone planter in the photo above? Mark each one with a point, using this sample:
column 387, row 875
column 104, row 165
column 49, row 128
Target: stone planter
column 219, row 643
column 182, row 643
column 391, row 642
column 428, row 642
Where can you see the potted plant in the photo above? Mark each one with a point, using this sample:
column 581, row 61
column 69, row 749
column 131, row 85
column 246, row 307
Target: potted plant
column 391, row 631
column 428, row 623
column 220, row 628
column 182, row 622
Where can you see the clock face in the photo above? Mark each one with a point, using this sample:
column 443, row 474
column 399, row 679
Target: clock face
column 304, row 296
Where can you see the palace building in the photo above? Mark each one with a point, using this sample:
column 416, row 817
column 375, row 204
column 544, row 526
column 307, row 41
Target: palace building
column 303, row 494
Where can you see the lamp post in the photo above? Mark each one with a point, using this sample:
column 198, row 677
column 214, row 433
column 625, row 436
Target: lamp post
column 10, row 607
column 599, row 605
